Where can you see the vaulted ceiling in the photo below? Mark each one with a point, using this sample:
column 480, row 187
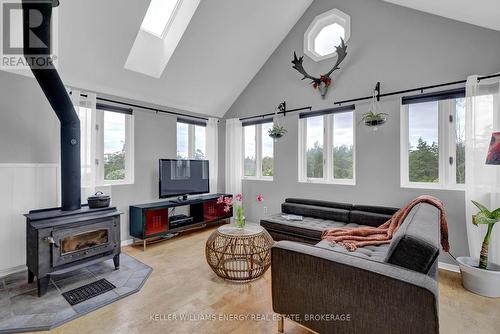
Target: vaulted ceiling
column 484, row 13
column 224, row 46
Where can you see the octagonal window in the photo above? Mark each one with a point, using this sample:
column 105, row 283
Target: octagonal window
column 328, row 38
column 324, row 34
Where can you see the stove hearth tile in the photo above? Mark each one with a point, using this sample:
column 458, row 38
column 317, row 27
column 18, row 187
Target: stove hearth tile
column 21, row 309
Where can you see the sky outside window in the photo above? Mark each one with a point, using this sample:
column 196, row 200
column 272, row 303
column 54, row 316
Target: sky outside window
column 199, row 142
column 182, row 140
column 114, row 132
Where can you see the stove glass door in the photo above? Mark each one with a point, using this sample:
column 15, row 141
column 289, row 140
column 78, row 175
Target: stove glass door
column 83, row 241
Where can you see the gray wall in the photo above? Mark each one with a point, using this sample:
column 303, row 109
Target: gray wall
column 29, row 133
column 400, row 47
column 29, row 127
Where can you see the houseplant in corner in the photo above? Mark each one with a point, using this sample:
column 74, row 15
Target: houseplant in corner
column 479, row 276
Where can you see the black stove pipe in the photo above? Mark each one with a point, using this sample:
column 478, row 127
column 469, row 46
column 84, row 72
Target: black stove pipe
column 37, row 15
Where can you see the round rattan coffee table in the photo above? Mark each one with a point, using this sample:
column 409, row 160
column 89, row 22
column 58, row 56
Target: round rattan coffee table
column 239, row 254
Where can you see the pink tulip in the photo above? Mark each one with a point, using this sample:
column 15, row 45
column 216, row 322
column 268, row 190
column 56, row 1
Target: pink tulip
column 260, row 198
column 227, row 208
column 239, row 197
column 228, row 201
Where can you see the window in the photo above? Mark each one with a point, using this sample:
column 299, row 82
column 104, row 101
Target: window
column 182, row 140
column 159, row 16
column 328, row 37
column 258, row 151
column 161, row 31
column 324, row 34
column 191, row 140
column 433, row 142
column 250, row 153
column 326, row 148
column 114, row 153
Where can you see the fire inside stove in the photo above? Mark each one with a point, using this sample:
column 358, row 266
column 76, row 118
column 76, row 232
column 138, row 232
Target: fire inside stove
column 82, row 241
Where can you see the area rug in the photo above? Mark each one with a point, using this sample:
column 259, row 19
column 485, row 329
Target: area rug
column 21, row 309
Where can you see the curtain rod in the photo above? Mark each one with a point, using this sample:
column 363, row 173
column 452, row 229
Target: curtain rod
column 421, row 89
column 148, row 108
column 272, row 113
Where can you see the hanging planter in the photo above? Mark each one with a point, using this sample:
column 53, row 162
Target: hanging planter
column 278, row 131
column 374, row 118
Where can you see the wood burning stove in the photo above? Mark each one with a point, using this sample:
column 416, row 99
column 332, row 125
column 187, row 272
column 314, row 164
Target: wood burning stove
column 70, row 237
column 61, row 241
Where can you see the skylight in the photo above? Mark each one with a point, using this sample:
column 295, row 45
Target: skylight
column 159, row 16
column 161, row 31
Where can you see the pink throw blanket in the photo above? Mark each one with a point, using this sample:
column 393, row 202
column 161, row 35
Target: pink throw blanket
column 352, row 238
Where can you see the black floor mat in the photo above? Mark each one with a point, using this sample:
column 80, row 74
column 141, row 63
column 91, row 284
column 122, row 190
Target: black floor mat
column 83, row 293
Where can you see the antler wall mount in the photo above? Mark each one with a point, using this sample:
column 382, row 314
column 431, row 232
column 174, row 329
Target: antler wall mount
column 324, row 81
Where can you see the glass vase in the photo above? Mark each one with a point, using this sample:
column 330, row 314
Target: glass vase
column 240, row 222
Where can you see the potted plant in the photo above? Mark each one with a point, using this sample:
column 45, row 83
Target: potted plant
column 277, row 131
column 479, row 275
column 374, row 118
column 237, row 202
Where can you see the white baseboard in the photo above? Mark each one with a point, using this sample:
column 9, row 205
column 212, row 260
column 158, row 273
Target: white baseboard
column 449, row 267
column 14, row 270
column 127, row 242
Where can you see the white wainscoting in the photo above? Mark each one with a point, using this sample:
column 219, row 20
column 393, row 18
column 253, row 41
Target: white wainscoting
column 23, row 187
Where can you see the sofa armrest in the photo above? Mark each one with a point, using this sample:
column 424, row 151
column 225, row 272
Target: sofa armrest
column 328, row 291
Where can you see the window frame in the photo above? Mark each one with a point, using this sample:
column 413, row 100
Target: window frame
column 191, row 140
column 129, row 151
column 321, row 21
column 258, row 155
column 447, row 149
column 328, row 145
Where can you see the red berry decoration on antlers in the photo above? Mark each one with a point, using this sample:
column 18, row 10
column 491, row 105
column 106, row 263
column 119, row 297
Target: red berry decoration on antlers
column 324, row 81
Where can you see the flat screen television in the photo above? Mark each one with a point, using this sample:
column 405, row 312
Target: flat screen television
column 183, row 177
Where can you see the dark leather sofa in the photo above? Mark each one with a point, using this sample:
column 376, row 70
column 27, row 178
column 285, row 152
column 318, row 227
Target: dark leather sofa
column 376, row 289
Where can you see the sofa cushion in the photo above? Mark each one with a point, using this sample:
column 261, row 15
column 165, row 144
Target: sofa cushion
column 368, row 218
column 371, row 215
column 383, row 210
column 314, row 202
column 309, row 227
column 314, row 211
column 415, row 244
column 375, row 253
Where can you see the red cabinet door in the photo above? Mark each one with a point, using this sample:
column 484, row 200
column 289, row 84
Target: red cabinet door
column 210, row 211
column 156, row 221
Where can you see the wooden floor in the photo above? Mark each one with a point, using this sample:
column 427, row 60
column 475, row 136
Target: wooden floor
column 183, row 284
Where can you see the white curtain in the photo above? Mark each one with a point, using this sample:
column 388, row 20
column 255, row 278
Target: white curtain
column 234, row 156
column 212, row 151
column 86, row 109
column 482, row 181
